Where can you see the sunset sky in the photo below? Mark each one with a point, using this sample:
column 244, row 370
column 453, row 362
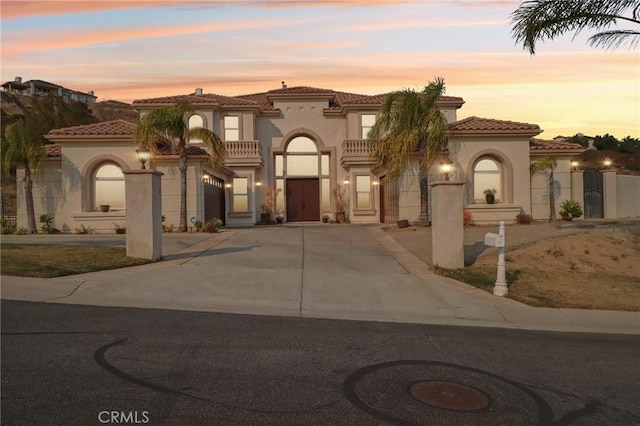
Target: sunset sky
column 125, row 50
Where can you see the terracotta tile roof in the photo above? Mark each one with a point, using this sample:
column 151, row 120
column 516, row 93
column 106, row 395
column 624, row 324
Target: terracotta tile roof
column 105, row 128
column 205, row 99
column 545, row 145
column 301, row 90
column 53, row 150
column 477, row 125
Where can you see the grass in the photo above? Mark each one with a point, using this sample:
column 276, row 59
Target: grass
column 48, row 261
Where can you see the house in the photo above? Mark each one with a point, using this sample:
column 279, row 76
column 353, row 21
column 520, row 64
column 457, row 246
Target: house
column 308, row 142
column 44, row 88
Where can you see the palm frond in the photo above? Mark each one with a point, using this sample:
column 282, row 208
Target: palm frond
column 539, row 20
column 615, row 38
column 217, row 151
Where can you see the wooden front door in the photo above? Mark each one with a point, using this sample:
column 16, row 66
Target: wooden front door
column 303, row 200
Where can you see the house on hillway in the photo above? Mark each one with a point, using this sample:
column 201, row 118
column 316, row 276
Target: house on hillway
column 307, row 142
column 44, row 88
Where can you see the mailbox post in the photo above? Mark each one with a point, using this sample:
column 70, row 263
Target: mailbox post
column 498, row 240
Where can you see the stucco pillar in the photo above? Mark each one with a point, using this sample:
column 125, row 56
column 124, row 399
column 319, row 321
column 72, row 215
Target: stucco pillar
column 577, row 188
column 143, row 197
column 610, row 194
column 447, row 228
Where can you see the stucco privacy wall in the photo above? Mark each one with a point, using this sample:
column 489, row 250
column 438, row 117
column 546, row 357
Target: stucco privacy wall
column 628, row 194
column 540, row 188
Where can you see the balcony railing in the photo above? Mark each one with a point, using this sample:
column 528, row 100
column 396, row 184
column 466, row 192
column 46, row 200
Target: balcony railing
column 356, row 151
column 244, row 153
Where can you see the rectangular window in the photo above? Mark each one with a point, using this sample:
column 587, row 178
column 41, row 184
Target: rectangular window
column 326, row 194
column 363, row 192
column 280, row 195
column 279, row 166
column 368, row 120
column 241, row 194
column 325, row 165
column 231, row 128
column 302, row 165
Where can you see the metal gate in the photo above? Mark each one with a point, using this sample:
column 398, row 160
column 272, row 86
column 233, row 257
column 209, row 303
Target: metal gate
column 593, row 206
column 389, row 200
column 9, row 208
column 214, row 199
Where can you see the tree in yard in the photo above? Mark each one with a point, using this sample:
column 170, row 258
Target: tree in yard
column 410, row 123
column 23, row 147
column 171, row 123
column 539, row 20
column 547, row 164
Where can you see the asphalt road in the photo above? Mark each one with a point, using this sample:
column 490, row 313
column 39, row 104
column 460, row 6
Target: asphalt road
column 80, row 365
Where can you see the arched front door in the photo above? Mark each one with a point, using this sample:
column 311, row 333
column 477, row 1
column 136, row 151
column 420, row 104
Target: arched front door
column 302, row 172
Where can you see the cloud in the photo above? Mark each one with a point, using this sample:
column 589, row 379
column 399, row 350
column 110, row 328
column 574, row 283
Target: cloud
column 12, row 9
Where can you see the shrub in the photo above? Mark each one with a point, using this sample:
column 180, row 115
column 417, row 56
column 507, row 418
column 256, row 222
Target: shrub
column 120, row 229
column 467, row 217
column 213, row 225
column 199, row 225
column 570, row 209
column 164, row 225
column 523, row 219
column 47, row 223
column 7, row 226
column 83, row 229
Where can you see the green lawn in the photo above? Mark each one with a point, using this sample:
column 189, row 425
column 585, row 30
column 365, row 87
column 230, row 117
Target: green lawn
column 47, row 261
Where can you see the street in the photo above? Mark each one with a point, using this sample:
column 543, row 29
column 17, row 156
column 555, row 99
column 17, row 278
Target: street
column 81, row 365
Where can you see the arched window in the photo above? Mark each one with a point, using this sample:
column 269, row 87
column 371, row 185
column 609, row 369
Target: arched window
column 487, row 174
column 195, row 121
column 108, row 186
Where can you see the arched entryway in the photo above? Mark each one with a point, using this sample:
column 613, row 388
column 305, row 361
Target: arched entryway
column 302, row 173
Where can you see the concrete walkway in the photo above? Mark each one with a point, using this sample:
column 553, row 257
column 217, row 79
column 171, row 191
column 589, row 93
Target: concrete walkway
column 316, row 271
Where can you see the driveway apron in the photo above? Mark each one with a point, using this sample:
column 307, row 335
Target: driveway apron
column 330, row 271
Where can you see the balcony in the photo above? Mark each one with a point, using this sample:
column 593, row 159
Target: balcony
column 355, row 152
column 243, row 154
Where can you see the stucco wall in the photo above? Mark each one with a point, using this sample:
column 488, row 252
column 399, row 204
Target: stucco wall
column 540, row 188
column 628, row 189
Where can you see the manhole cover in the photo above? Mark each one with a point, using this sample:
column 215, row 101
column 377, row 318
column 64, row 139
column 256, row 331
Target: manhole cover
column 449, row 395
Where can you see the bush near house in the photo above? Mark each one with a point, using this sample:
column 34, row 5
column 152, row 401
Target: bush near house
column 570, row 209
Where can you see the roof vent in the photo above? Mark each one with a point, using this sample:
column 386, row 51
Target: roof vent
column 18, row 80
column 199, row 91
column 284, row 86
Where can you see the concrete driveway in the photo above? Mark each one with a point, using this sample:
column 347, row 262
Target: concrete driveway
column 322, row 271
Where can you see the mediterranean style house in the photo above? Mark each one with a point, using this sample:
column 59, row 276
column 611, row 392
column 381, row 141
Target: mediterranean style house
column 307, row 142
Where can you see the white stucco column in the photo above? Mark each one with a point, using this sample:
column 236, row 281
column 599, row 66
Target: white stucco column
column 610, row 194
column 577, row 188
column 143, row 197
column 447, row 228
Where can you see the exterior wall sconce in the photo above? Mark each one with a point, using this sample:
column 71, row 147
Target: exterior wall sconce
column 346, row 180
column 227, row 185
column 607, row 162
column 142, row 153
column 375, row 182
column 446, row 169
column 574, row 165
column 258, row 182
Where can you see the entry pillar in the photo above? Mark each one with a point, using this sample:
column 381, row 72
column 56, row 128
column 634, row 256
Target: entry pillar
column 447, row 224
column 143, row 196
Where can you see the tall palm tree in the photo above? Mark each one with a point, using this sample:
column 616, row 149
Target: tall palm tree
column 537, row 20
column 547, row 164
column 24, row 148
column 171, row 123
column 410, row 123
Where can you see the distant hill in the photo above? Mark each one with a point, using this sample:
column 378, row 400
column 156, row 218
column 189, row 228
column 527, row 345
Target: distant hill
column 15, row 106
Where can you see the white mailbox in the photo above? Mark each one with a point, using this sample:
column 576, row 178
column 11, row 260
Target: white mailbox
column 493, row 240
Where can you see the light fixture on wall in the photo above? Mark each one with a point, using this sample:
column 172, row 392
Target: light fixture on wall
column 227, row 185
column 142, row 152
column 375, row 182
column 346, row 180
column 446, row 167
column 258, row 182
column 574, row 165
column 607, row 162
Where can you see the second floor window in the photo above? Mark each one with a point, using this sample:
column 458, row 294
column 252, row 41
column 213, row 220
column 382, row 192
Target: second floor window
column 231, row 128
column 368, row 120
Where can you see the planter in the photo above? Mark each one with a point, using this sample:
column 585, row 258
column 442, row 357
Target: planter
column 404, row 223
column 265, row 218
column 104, row 208
column 279, row 219
column 490, row 198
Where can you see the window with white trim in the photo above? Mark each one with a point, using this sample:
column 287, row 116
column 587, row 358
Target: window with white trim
column 367, row 121
column 108, row 186
column 195, row 121
column 232, row 128
column 487, row 174
column 240, row 194
column 363, row 192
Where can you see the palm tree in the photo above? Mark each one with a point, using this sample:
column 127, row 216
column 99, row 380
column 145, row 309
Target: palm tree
column 25, row 149
column 171, row 123
column 537, row 20
column 547, row 164
column 410, row 122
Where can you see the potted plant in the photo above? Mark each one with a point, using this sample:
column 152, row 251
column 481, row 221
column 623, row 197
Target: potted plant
column 325, row 218
column 269, row 204
column 104, row 208
column 490, row 195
